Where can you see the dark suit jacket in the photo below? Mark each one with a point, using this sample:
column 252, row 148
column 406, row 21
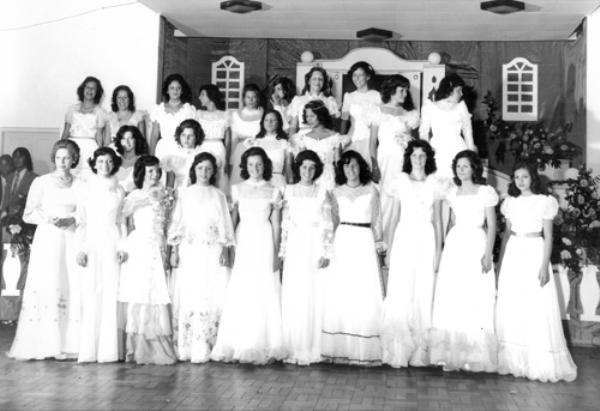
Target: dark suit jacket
column 13, row 201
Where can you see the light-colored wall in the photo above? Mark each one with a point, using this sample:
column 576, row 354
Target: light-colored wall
column 593, row 91
column 116, row 41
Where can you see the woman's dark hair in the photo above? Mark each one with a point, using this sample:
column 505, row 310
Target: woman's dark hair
column 447, row 86
column 430, row 166
column 99, row 89
column 326, row 86
column 320, row 110
column 256, row 151
column 139, row 168
column 186, row 91
column 126, row 89
column 307, row 155
column 288, row 86
column 537, row 186
column 204, row 156
column 281, row 135
column 194, row 125
column 23, row 152
column 70, row 146
column 105, row 151
column 364, row 174
column 256, row 90
column 476, row 166
column 141, row 145
column 366, row 68
column 214, row 94
column 389, row 87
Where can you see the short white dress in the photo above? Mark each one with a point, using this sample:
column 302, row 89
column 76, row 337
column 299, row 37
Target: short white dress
column 531, row 341
column 296, row 108
column 462, row 335
column 83, row 129
column 363, row 108
column 352, row 291
column 201, row 227
column 328, row 150
column 168, row 123
column 250, row 330
column 306, row 237
column 215, row 125
column 242, row 130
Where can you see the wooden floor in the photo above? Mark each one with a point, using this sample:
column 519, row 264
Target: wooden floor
column 66, row 385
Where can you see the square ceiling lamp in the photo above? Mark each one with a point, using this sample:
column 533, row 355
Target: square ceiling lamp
column 502, row 6
column 241, row 6
column 374, row 34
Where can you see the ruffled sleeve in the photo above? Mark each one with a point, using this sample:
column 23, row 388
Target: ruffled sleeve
column 295, row 108
column 226, row 232
column 156, row 112
column 505, row 207
column 346, row 102
column 550, row 208
column 134, row 200
column 190, row 111
column 34, row 211
column 396, row 186
column 489, row 196
column 464, row 112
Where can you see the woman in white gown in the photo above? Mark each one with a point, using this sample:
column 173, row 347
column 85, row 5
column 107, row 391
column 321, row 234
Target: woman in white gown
column 316, row 87
column 306, row 240
column 166, row 116
column 414, row 258
column 353, row 292
column 85, row 122
column 130, row 144
column 100, row 231
column 283, row 91
column 124, row 113
column 531, row 341
column 245, row 124
column 215, row 122
column 201, row 233
column 360, row 108
column 462, row 335
column 48, row 325
column 145, row 322
column 447, row 117
column 393, row 127
column 273, row 140
column 250, row 330
column 189, row 137
column 321, row 139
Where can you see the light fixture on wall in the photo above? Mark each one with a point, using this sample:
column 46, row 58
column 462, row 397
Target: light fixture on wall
column 241, row 6
column 502, row 6
column 374, row 34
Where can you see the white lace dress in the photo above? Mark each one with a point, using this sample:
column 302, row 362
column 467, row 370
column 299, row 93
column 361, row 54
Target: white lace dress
column 328, row 150
column 168, row 122
column 215, row 125
column 83, row 130
column 307, row 235
column 100, row 233
column 352, row 292
column 531, row 342
column 363, row 108
column 201, row 227
column 242, row 130
column 250, row 330
column 296, row 108
column 49, row 322
column 462, row 335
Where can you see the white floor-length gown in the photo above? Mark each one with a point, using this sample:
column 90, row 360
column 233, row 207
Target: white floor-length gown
column 363, row 108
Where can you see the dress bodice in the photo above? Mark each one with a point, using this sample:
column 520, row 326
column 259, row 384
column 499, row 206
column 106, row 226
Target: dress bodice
column 296, row 107
column 242, row 128
column 49, row 198
column 305, row 206
column 85, row 125
column 179, row 162
column 356, row 205
column 445, row 121
column 416, row 198
column 100, row 207
column 396, row 130
column 363, row 109
column 469, row 209
column 150, row 211
column 276, row 150
column 527, row 213
column 326, row 148
column 255, row 202
column 169, row 121
column 214, row 124
column 115, row 124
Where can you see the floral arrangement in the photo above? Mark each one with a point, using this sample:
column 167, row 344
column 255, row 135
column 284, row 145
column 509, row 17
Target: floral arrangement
column 21, row 234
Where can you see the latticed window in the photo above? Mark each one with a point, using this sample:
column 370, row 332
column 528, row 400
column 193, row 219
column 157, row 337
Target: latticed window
column 228, row 75
column 520, row 90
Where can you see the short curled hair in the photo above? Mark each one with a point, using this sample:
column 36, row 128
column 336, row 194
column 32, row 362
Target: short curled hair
column 537, row 186
column 68, row 145
column 139, row 168
column 194, row 125
column 23, row 152
column 105, row 151
column 307, row 155
column 254, row 89
column 366, row 68
column 141, row 145
column 204, row 156
column 447, row 86
column 186, row 91
column 320, row 110
column 99, row 89
column 267, row 163
column 430, row 165
column 214, row 94
column 326, row 81
column 113, row 100
column 280, row 134
column 288, row 86
column 364, row 174
column 389, row 87
column 476, row 166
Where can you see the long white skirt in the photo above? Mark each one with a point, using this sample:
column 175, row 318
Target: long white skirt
column 462, row 335
column 530, row 334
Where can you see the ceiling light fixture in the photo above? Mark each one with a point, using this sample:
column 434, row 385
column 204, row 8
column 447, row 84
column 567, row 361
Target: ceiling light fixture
column 374, row 34
column 241, row 6
column 503, row 6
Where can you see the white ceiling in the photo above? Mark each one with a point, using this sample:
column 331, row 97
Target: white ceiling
column 408, row 19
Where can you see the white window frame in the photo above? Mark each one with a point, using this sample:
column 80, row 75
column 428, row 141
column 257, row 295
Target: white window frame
column 520, row 86
column 222, row 76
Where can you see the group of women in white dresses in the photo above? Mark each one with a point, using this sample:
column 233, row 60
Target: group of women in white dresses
column 249, row 267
